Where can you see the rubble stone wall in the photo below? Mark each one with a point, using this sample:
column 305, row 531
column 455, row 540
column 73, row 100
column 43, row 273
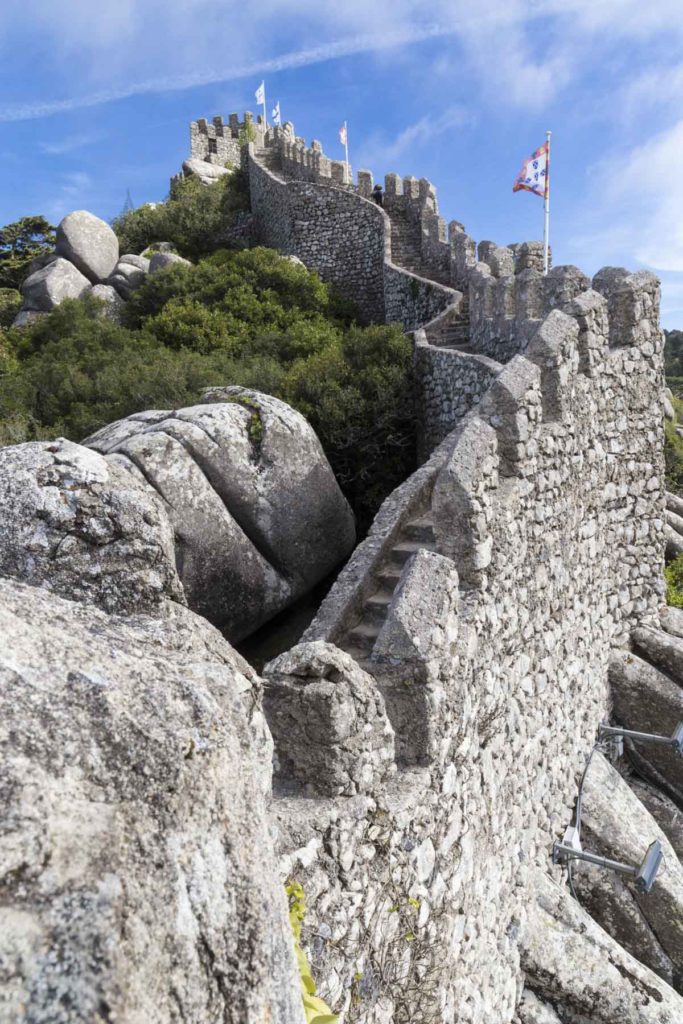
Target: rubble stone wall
column 547, row 504
column 449, row 384
column 331, row 230
column 345, row 238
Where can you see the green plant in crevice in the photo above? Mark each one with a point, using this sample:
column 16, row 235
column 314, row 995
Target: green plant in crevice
column 673, row 574
column 316, row 1009
column 255, row 428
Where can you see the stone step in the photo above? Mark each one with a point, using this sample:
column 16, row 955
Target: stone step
column 376, row 607
column 359, row 655
column 388, row 577
column 420, row 529
column 400, row 553
column 364, row 635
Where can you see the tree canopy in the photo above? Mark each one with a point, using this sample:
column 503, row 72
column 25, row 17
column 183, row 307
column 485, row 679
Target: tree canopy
column 247, row 317
column 20, row 243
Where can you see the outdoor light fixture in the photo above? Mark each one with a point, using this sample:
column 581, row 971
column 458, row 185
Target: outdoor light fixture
column 570, row 849
column 644, row 874
column 615, row 732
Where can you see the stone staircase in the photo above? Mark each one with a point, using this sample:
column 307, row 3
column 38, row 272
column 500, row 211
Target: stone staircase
column 416, row 534
column 455, row 334
column 270, row 158
column 406, row 249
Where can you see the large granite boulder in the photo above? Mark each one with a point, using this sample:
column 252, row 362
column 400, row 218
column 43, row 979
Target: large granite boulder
column 46, row 288
column 161, row 260
column 129, row 274
column 577, row 968
column 84, row 528
column 206, row 173
column 649, row 700
column 617, row 825
column 114, row 304
column 89, row 243
column 138, row 879
column 258, row 516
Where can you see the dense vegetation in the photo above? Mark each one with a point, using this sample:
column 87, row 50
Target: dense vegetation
column 20, row 243
column 673, row 357
column 195, row 218
column 673, row 575
column 250, row 317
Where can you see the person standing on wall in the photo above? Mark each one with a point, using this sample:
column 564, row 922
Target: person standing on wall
column 377, row 195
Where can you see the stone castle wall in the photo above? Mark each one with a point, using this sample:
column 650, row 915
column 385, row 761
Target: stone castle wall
column 215, row 141
column 345, row 238
column 419, row 785
column 330, row 229
column 547, row 504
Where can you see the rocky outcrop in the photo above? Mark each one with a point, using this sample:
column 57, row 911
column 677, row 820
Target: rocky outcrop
column 83, row 527
column 617, row 825
column 89, row 243
column 328, row 721
column 160, row 260
column 573, row 965
column 648, row 700
column 257, row 513
column 46, row 288
column 137, row 872
column 129, row 274
column 206, row 173
column 87, row 262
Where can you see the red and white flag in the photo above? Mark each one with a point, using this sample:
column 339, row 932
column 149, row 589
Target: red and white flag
column 343, row 134
column 535, row 173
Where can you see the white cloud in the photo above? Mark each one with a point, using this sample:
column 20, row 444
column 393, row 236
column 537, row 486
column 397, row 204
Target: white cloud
column 71, row 143
column 296, row 59
column 378, row 151
column 645, row 191
column 111, row 51
column 637, row 194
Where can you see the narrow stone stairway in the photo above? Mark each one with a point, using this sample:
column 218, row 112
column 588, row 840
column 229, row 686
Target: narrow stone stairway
column 455, row 334
column 416, row 534
column 406, row 249
column 270, row 158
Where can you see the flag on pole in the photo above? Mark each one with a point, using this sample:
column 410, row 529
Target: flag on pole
column 275, row 113
column 534, row 174
column 261, row 93
column 343, row 134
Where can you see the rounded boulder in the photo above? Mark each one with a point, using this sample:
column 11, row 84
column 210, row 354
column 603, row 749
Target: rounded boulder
column 89, row 243
column 46, row 288
column 258, row 516
column 84, row 528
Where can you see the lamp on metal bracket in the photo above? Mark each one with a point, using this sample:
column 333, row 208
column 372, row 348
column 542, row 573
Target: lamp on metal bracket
column 644, row 874
column 616, row 735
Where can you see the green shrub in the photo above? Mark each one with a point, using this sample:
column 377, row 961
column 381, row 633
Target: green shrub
column 195, row 218
column 10, row 304
column 20, row 243
column 673, row 452
column 673, row 574
column 250, row 318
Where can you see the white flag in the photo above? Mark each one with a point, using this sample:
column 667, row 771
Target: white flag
column 261, row 93
column 343, row 134
column 276, row 113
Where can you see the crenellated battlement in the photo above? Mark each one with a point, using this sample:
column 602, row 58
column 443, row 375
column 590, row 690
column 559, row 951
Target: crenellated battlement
column 484, row 605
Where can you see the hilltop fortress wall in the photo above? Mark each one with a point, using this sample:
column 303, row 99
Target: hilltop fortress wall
column 547, row 512
column 431, row 727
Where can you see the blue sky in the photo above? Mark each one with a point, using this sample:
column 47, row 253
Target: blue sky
column 97, row 99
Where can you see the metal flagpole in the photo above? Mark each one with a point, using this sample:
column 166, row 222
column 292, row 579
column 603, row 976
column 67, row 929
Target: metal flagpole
column 546, row 204
column 346, row 150
column 265, row 115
